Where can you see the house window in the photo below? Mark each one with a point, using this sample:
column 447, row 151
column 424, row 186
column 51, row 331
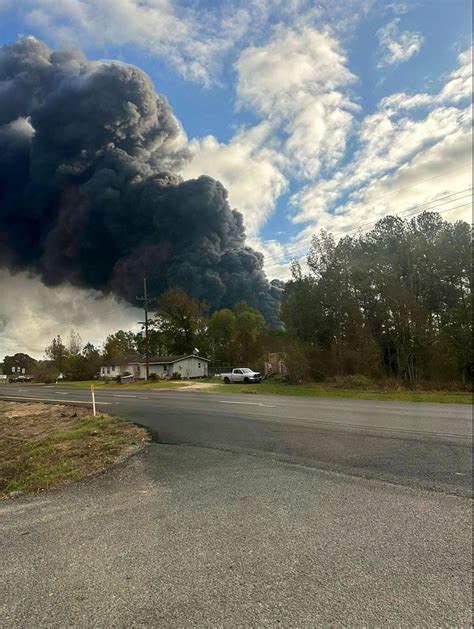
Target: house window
column 108, row 369
column 199, row 365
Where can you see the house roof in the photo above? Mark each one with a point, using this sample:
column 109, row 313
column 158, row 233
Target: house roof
column 157, row 360
column 120, row 360
column 153, row 360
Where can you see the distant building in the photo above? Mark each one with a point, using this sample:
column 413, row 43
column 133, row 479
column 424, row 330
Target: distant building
column 275, row 365
column 188, row 366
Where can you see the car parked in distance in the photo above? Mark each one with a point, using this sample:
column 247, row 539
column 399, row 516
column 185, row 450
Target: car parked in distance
column 242, row 374
column 20, row 379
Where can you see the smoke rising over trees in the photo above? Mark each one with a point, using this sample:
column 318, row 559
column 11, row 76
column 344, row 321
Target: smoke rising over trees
column 89, row 192
column 392, row 306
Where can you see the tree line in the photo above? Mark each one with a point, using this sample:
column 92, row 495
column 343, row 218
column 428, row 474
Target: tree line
column 180, row 325
column 394, row 302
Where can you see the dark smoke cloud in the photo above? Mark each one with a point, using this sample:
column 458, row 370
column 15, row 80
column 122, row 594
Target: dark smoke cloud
column 87, row 189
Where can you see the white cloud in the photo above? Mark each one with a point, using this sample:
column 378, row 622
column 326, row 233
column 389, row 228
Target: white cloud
column 459, row 86
column 386, row 143
column 32, row 314
column 246, row 168
column 191, row 41
column 398, row 45
column 298, row 82
column 412, row 153
column 195, row 38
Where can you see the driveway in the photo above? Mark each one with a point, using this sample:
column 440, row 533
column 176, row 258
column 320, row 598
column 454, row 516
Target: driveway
column 195, row 537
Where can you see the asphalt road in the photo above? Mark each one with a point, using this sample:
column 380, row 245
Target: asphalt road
column 192, row 537
column 422, row 445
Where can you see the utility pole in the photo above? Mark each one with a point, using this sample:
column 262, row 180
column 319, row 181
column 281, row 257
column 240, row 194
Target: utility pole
column 147, row 351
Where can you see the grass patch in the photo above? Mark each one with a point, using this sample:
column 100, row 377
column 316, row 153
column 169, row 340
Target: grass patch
column 43, row 446
column 328, row 391
column 101, row 384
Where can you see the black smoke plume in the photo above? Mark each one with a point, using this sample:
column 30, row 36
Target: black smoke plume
column 89, row 192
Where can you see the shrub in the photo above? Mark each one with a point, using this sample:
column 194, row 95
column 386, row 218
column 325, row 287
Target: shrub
column 153, row 377
column 176, row 375
column 357, row 381
column 297, row 362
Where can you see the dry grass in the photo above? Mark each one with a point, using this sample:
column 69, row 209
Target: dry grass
column 43, row 445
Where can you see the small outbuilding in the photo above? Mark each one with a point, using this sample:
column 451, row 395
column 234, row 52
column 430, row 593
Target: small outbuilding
column 165, row 367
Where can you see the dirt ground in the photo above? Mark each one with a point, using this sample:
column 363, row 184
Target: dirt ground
column 192, row 386
column 44, row 445
column 34, row 420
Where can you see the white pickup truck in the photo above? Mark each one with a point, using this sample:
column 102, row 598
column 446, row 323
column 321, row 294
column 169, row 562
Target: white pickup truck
column 241, row 374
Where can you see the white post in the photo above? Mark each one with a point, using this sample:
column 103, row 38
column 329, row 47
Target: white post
column 93, row 399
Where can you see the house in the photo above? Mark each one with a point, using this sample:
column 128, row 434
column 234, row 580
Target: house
column 188, row 366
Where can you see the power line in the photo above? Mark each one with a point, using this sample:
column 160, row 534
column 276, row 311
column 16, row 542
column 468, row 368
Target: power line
column 351, row 232
column 450, row 209
column 436, row 202
column 409, row 215
column 444, row 172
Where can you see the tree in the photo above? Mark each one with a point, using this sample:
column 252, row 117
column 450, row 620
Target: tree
column 120, row 343
column 221, row 333
column 18, row 363
column 91, row 361
column 182, row 322
column 395, row 301
column 249, row 324
column 57, row 354
column 44, row 371
column 74, row 359
column 156, row 342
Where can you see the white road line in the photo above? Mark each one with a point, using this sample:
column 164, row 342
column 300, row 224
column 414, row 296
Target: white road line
column 122, row 395
column 44, row 399
column 247, row 403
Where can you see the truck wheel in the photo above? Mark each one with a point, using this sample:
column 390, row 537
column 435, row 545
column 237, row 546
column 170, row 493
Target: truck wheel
column 247, row 381
column 226, row 380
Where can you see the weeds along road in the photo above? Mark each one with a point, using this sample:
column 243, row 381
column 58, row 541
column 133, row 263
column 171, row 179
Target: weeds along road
column 424, row 445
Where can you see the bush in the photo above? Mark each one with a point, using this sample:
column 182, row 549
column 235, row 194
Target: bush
column 44, row 372
column 153, row 377
column 357, row 381
column 297, row 363
column 176, row 376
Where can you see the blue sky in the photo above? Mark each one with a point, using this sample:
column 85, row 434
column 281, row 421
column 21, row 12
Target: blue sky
column 328, row 114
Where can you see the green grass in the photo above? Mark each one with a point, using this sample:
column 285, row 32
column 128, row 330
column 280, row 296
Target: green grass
column 284, row 388
column 100, row 384
column 50, row 450
column 327, row 391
